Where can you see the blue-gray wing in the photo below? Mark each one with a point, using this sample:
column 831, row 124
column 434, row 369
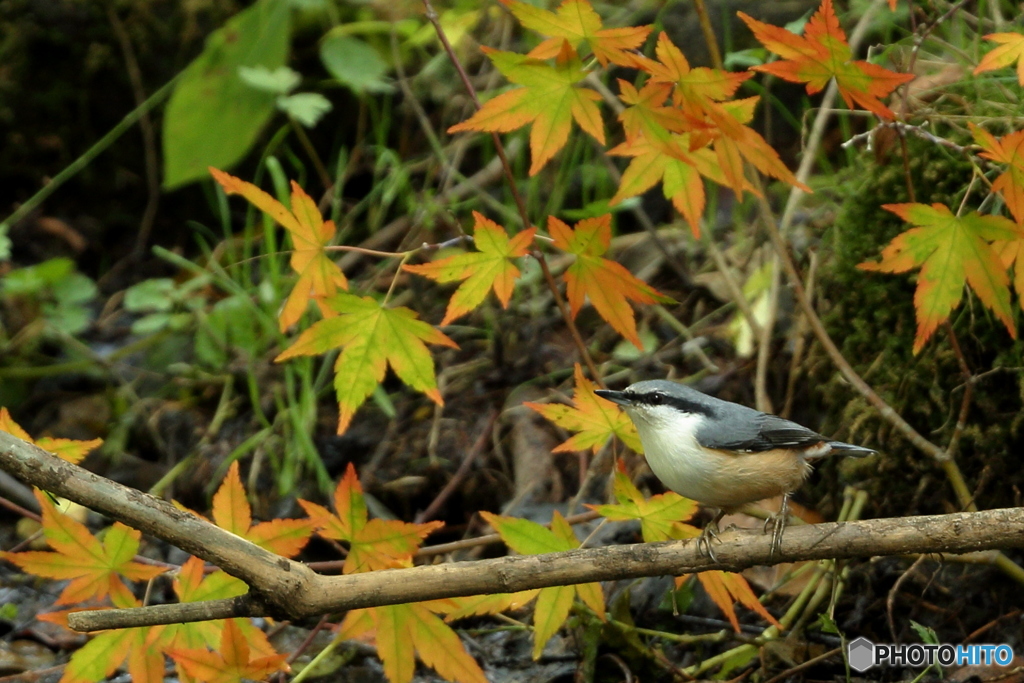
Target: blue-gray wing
column 751, row 430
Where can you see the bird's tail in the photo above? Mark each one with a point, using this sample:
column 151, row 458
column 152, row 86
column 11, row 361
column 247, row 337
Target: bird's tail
column 840, row 448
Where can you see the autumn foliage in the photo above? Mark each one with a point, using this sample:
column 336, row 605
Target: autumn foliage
column 687, row 128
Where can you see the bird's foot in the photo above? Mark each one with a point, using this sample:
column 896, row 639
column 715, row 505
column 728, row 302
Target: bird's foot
column 778, row 524
column 710, row 533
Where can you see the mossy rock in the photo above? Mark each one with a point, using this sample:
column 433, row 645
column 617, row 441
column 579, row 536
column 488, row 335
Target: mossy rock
column 871, row 318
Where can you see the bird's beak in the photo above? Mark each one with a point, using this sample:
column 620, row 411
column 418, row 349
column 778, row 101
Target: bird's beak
column 616, row 397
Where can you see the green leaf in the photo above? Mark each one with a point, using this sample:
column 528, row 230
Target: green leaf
column 307, row 108
column 5, row 244
column 150, row 295
column 35, row 279
column 355, row 64
column 214, row 117
column 925, row 633
column 279, row 81
column 231, row 326
column 74, row 289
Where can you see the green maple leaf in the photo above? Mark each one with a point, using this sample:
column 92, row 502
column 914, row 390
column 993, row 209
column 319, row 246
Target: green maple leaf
column 549, row 100
column 371, row 338
column 660, row 516
column 576, row 21
column 950, row 251
column 553, row 604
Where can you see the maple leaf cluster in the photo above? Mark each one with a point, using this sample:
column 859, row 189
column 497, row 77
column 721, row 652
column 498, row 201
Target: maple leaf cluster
column 228, row 651
column 97, row 566
column 682, row 125
column 373, row 337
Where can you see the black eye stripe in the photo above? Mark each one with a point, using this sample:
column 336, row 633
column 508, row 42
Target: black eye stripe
column 658, row 398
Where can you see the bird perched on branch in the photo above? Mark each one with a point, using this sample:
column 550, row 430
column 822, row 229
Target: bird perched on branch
column 721, row 454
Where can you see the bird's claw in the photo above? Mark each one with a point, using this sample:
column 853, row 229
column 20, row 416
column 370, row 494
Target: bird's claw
column 710, row 533
column 778, row 522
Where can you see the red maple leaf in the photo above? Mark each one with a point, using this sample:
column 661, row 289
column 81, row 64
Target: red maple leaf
column 823, row 53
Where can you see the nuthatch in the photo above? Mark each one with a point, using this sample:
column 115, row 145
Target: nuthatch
column 721, row 454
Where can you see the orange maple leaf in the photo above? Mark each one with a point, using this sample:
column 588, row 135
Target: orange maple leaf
column 373, row 543
column 371, row 338
column 594, row 419
column 379, row 544
column 679, row 175
column 488, row 268
column 67, row 449
column 232, row 661
column 697, row 91
column 231, row 511
column 1005, row 150
column 726, row 588
column 549, row 100
column 1011, row 50
column 480, row 605
column 950, row 251
column 94, row 567
column 608, row 284
column 647, row 116
column 192, row 584
column 1011, row 254
column 823, row 53
column 396, row 627
column 319, row 276
column 553, row 604
column 576, row 21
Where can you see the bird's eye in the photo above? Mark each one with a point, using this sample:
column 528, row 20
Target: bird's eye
column 656, row 399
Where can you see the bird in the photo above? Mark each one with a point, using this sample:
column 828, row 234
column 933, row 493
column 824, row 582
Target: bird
column 722, row 454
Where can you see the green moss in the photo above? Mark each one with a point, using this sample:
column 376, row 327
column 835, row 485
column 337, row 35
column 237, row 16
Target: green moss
column 871, row 318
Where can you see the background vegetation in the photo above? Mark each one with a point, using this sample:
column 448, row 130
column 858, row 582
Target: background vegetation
column 140, row 305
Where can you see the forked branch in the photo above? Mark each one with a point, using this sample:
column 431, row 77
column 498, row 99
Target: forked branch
column 284, row 588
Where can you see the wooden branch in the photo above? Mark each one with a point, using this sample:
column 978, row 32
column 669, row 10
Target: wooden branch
column 283, row 580
column 308, row 594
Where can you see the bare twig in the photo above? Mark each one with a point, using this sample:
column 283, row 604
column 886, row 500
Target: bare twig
column 965, row 403
column 460, row 473
column 563, row 308
column 94, row 151
column 890, row 600
column 148, row 134
column 903, row 128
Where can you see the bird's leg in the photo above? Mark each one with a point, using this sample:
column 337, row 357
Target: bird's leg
column 778, row 522
column 710, row 532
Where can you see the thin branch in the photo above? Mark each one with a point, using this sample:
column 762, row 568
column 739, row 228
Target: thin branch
column 738, row 550
column 86, row 158
column 965, row 404
column 709, row 33
column 563, row 308
column 461, row 472
column 148, row 134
